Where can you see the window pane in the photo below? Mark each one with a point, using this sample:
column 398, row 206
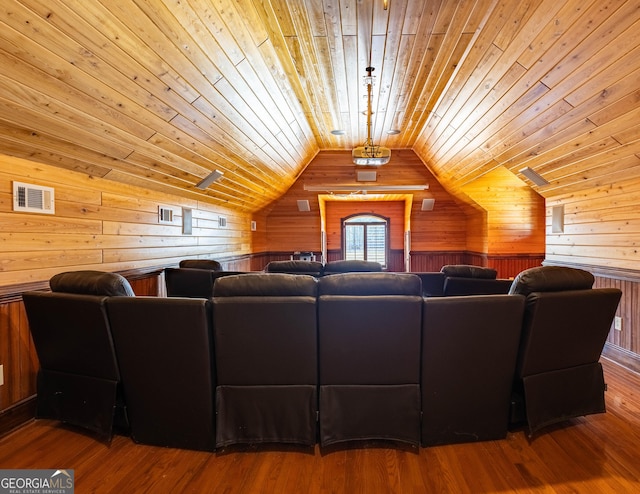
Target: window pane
column 376, row 247
column 354, row 242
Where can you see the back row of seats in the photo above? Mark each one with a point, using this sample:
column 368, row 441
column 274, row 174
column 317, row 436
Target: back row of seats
column 195, row 278
column 295, row 359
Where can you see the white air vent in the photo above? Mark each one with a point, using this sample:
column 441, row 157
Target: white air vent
column 166, row 214
column 366, row 176
column 427, row 204
column 33, row 198
column 222, row 222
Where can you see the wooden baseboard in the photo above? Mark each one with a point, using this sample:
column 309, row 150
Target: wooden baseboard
column 17, row 415
column 623, row 357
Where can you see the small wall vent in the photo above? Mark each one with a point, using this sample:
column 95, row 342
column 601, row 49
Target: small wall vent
column 222, row 222
column 166, row 214
column 30, row 198
column 427, row 204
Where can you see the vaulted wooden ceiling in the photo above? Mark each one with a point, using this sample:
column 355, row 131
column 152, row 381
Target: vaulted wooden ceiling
column 159, row 93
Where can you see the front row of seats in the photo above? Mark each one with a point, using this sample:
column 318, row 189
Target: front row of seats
column 360, row 356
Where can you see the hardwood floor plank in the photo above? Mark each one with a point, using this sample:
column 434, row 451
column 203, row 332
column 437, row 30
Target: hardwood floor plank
column 597, row 453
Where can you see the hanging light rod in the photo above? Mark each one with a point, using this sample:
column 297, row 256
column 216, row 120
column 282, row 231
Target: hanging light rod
column 370, row 153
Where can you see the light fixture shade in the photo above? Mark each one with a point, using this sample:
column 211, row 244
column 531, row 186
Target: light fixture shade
column 303, row 205
column 328, row 188
column 371, row 155
column 534, row 176
column 209, row 179
column 427, row 204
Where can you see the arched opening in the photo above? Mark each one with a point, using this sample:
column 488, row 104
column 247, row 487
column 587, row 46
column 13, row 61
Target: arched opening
column 365, row 236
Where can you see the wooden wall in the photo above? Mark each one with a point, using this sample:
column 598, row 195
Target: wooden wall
column 515, row 215
column 601, row 226
column 497, row 221
column 444, row 228
column 99, row 224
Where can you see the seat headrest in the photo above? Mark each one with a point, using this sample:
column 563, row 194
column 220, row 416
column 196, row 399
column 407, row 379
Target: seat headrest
column 351, row 265
column 468, row 271
column 91, row 283
column 551, row 279
column 265, row 285
column 209, row 264
column 294, row 266
column 370, row 284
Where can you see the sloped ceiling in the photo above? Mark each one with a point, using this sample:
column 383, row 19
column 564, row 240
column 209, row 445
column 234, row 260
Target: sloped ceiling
column 159, row 93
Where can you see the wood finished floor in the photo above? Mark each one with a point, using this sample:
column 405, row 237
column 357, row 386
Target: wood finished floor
column 595, row 454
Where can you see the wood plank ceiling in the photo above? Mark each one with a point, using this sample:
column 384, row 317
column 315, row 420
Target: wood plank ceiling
column 159, row 93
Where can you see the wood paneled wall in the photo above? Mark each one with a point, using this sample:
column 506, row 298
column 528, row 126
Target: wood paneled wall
column 499, row 217
column 99, row 224
column 444, row 228
column 601, row 226
column 515, row 215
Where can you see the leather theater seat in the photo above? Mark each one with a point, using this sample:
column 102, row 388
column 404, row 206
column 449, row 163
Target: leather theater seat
column 210, row 264
column 295, row 266
column 165, row 351
column 265, row 330
column 351, row 266
column 79, row 378
column 369, row 327
column 566, row 324
column 464, row 279
column 469, row 349
column 192, row 282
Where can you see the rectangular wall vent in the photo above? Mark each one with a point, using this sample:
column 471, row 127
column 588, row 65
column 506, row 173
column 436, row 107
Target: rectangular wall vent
column 222, row 222
column 33, row 198
column 427, row 204
column 166, row 214
column 557, row 219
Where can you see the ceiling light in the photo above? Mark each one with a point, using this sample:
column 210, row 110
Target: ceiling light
column 338, row 132
column 534, row 176
column 393, row 132
column 209, row 179
column 369, row 153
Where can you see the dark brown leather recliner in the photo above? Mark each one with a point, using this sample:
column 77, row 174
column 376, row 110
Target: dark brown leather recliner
column 464, row 279
column 192, row 282
column 469, row 348
column 79, row 377
column 351, row 266
column 566, row 324
column 210, row 264
column 165, row 351
column 369, row 327
column 432, row 283
column 295, row 266
column 265, row 328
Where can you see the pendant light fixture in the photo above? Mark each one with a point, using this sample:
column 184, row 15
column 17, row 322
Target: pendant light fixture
column 369, row 153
